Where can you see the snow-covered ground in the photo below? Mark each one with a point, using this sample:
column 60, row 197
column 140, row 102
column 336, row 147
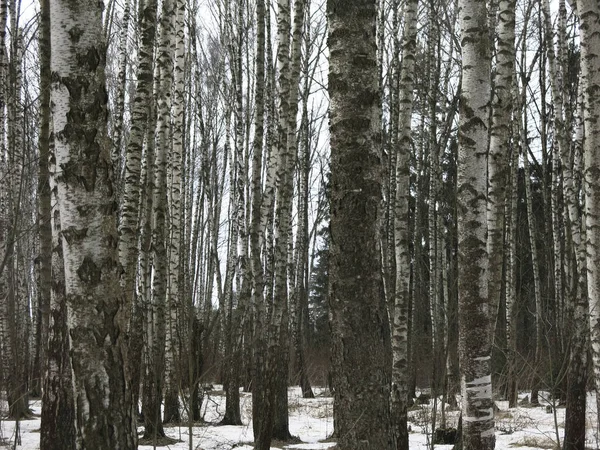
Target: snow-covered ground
column 311, row 421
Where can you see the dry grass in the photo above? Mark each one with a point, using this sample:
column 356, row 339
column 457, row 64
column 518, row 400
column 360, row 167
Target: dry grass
column 536, row 441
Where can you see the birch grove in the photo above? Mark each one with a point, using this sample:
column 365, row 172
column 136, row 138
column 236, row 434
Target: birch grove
column 389, row 204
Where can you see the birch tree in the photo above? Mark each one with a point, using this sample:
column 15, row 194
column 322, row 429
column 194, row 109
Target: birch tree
column 130, row 221
column 57, row 430
column 157, row 312
column 174, row 329
column 361, row 373
column 86, row 203
column 262, row 423
column 589, row 16
column 399, row 397
column 474, row 303
column 499, row 146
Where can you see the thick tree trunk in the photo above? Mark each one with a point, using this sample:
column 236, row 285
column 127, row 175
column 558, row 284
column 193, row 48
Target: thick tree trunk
column 474, row 303
column 359, row 323
column 86, row 202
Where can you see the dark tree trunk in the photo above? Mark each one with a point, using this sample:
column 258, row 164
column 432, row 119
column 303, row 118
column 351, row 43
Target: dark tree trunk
column 359, row 323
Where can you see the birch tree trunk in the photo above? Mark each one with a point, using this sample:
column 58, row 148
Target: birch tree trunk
column 174, row 306
column 499, row 148
column 531, row 224
column 157, row 320
column 399, row 392
column 359, row 323
column 44, row 202
column 117, row 132
column 511, row 280
column 262, row 413
column 474, row 302
column 57, row 431
column 86, row 202
column 18, row 351
column 130, row 222
column 301, row 260
column 589, row 16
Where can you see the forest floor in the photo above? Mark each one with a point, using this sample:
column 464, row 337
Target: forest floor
column 524, row 427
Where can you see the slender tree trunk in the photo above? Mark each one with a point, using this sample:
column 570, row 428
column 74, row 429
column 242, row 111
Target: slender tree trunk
column 511, row 281
column 57, row 431
column 117, row 132
column 44, row 202
column 174, row 306
column 131, row 216
column 261, row 411
column 499, row 148
column 399, row 397
column 58, row 407
column 157, row 317
column 589, row 15
column 534, row 258
column 300, row 293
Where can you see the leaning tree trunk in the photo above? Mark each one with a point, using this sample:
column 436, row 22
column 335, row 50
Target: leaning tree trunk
column 95, row 301
column 359, row 323
column 475, row 321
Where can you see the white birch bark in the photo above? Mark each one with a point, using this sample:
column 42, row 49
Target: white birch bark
column 57, row 429
column 117, row 134
column 128, row 225
column 474, row 303
column 172, row 381
column 499, row 147
column 511, row 279
column 399, row 391
column 589, row 16
column 260, row 397
column 105, row 418
column 278, row 335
